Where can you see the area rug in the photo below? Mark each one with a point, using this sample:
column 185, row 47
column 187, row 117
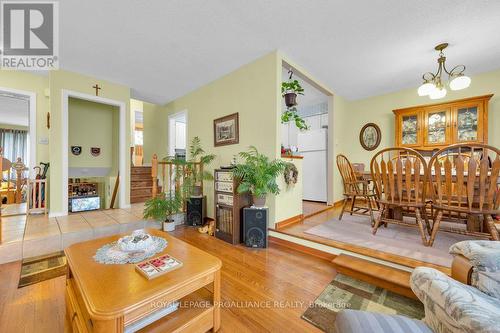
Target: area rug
column 394, row 239
column 347, row 293
column 38, row 269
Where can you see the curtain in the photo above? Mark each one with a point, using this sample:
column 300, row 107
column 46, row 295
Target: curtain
column 14, row 144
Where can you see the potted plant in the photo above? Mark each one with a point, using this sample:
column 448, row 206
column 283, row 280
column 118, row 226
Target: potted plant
column 257, row 175
column 162, row 208
column 194, row 176
column 289, row 90
column 291, row 114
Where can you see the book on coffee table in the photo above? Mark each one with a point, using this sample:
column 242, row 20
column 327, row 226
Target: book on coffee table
column 158, row 266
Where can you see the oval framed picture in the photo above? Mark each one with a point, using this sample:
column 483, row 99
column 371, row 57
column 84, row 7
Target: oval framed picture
column 370, row 136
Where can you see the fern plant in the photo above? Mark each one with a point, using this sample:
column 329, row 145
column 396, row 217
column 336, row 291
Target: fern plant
column 162, row 207
column 258, row 173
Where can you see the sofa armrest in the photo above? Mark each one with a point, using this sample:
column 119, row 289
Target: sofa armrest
column 451, row 306
column 461, row 269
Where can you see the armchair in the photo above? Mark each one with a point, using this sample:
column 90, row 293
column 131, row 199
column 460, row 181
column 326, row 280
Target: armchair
column 451, row 304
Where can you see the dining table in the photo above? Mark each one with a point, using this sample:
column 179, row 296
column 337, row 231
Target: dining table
column 472, row 222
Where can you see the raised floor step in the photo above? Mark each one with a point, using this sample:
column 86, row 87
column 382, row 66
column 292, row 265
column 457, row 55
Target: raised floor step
column 383, row 276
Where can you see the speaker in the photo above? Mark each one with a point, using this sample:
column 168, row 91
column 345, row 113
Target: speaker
column 196, row 211
column 255, row 227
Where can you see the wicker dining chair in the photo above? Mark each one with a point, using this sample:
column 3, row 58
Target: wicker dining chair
column 400, row 176
column 355, row 188
column 465, row 188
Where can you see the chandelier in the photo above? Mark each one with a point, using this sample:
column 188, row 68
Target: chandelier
column 433, row 85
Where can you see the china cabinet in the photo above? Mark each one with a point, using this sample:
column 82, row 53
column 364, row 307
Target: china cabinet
column 428, row 127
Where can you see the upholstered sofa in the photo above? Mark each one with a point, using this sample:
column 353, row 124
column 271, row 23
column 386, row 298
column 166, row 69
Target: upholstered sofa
column 469, row 301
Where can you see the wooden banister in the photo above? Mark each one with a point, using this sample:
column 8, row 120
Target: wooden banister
column 154, row 174
column 172, row 174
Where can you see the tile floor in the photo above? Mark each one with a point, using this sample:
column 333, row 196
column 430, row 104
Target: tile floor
column 39, row 234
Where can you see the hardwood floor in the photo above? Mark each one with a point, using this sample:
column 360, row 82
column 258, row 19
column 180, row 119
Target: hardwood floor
column 263, row 290
column 310, row 208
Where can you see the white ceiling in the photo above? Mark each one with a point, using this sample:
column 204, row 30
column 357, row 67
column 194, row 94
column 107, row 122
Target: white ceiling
column 14, row 111
column 165, row 49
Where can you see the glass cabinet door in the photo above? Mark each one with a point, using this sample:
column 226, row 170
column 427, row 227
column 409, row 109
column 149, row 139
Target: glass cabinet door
column 410, row 129
column 466, row 125
column 436, row 129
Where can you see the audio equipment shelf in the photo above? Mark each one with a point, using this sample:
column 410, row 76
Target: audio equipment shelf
column 229, row 206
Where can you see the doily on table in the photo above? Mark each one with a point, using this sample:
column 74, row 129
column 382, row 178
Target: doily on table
column 112, row 254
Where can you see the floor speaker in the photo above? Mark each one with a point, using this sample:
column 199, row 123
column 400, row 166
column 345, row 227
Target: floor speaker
column 196, row 211
column 255, row 227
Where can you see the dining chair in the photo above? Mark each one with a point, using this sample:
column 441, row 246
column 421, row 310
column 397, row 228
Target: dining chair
column 355, row 188
column 465, row 189
column 400, row 176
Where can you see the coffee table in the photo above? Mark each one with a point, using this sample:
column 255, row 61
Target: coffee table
column 110, row 298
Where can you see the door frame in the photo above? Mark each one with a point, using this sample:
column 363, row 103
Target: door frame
column 171, row 134
column 32, row 126
column 122, row 142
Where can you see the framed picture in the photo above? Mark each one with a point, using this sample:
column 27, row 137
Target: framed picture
column 370, row 136
column 226, row 130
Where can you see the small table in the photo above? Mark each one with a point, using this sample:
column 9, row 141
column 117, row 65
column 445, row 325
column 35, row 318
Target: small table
column 107, row 298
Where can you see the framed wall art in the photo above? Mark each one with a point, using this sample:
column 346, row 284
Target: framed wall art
column 226, row 130
column 370, row 136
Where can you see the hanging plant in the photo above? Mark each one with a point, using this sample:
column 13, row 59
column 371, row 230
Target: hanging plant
column 290, row 89
column 291, row 114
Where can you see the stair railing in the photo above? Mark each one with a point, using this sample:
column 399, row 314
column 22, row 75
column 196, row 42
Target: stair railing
column 172, row 175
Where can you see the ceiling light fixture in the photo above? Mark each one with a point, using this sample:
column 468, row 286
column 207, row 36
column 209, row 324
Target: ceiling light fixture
column 433, row 85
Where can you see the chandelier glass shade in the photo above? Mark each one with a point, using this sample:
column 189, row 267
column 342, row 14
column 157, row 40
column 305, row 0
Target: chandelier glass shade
column 433, row 86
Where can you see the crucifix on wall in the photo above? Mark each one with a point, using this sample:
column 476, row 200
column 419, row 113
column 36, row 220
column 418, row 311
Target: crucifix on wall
column 97, row 88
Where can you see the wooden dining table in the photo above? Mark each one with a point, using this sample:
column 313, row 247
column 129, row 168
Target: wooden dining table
column 472, row 222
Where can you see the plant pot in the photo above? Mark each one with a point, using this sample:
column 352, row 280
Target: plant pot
column 197, row 191
column 259, row 202
column 290, row 99
column 169, row 225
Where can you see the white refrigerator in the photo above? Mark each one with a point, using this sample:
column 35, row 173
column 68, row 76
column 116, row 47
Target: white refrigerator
column 312, row 145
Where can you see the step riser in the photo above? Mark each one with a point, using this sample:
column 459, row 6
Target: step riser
column 382, row 276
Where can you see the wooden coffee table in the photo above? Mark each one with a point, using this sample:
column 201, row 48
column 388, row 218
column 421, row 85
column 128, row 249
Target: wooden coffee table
column 108, row 298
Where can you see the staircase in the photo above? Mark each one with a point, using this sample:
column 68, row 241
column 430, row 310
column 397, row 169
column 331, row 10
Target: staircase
column 393, row 279
column 141, row 184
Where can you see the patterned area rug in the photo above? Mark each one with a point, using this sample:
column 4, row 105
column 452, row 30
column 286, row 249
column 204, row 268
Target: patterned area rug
column 348, row 293
column 38, row 269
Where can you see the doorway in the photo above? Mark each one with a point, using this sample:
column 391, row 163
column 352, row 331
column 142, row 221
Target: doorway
column 17, row 143
column 177, row 135
column 88, row 169
column 312, row 144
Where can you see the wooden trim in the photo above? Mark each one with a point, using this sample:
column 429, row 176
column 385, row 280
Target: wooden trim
column 301, row 248
column 289, row 221
column 293, row 157
column 487, row 97
column 327, row 208
column 400, row 260
column 390, row 278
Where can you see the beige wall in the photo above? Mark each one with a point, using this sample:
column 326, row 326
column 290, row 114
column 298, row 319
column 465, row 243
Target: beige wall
column 93, row 125
column 253, row 92
column 289, row 201
column 155, row 132
column 378, row 109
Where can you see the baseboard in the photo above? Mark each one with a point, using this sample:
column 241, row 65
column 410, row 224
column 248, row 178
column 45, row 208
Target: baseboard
column 301, row 248
column 54, row 214
column 289, row 221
